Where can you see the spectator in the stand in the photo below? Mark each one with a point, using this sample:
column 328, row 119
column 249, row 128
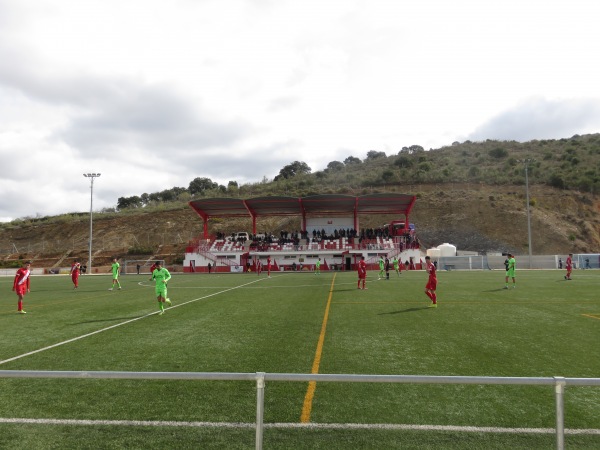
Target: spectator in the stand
column 209, row 267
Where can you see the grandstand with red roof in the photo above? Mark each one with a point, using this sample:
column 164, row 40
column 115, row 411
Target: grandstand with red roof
column 330, row 230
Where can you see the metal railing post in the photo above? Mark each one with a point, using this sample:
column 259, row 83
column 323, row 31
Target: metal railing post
column 260, row 408
column 559, row 390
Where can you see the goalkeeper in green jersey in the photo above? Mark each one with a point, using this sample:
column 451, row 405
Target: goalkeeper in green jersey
column 161, row 275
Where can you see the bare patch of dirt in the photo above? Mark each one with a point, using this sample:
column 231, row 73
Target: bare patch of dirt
column 472, row 217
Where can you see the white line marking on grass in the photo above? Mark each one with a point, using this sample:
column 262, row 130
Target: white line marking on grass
column 323, row 426
column 119, row 324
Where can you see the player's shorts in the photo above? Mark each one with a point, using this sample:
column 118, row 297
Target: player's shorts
column 362, row 275
column 510, row 273
column 161, row 291
column 431, row 284
column 21, row 289
column 115, row 276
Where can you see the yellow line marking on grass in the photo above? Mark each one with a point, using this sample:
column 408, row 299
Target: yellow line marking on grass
column 592, row 316
column 312, row 385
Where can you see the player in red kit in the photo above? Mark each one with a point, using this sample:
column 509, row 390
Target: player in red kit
column 21, row 284
column 569, row 266
column 362, row 272
column 269, row 267
column 258, row 267
column 432, row 282
column 75, row 270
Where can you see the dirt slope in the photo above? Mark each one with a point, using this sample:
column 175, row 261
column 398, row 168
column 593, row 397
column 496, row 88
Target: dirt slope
column 472, row 217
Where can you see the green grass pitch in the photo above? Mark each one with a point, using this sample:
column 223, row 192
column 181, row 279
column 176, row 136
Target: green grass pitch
column 242, row 323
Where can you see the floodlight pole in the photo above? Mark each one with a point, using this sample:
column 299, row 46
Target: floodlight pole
column 526, row 162
column 91, row 176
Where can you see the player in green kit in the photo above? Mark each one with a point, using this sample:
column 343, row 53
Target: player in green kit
column 318, row 267
column 510, row 270
column 381, row 268
column 161, row 276
column 115, row 274
column 396, row 265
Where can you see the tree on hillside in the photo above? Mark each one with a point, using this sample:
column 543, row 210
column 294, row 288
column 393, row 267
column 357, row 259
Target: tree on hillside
column 129, row 202
column 335, row 165
column 199, row 185
column 403, row 161
column 498, row 153
column 374, row 154
column 352, row 160
column 293, row 169
column 411, row 150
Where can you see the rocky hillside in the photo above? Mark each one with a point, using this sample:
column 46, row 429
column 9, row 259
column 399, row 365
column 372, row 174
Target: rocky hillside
column 473, row 217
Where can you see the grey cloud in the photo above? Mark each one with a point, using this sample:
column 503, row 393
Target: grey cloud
column 542, row 119
column 152, row 118
column 229, row 166
column 108, row 113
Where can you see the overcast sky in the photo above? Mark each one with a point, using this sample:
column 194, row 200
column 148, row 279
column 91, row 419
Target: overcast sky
column 153, row 94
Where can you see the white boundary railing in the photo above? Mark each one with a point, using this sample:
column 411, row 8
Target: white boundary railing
column 260, row 378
